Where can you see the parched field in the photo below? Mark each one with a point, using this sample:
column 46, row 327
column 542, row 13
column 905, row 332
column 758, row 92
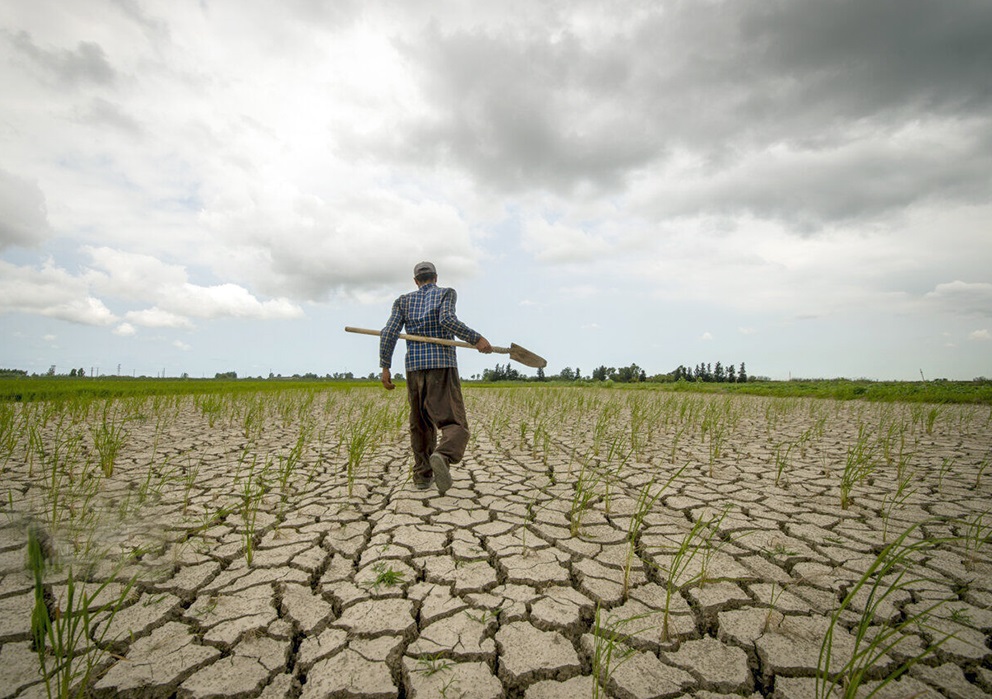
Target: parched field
column 595, row 543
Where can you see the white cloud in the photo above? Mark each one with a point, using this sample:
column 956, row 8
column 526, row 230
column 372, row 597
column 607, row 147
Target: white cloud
column 749, row 265
column 179, row 344
column 706, row 336
column 746, row 331
column 963, row 297
column 157, row 318
column 143, row 277
column 125, row 330
column 982, row 335
column 306, row 247
column 131, row 275
column 228, row 300
column 52, row 292
column 558, row 242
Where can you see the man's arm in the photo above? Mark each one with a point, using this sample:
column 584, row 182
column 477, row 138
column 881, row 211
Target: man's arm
column 387, row 343
column 449, row 321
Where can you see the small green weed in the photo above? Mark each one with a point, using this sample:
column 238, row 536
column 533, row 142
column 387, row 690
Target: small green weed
column 430, row 665
column 386, row 576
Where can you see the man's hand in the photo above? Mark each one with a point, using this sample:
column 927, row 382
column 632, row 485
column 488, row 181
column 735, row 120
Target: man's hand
column 483, row 346
column 387, row 380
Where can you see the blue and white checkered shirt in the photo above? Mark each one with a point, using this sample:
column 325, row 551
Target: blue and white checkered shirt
column 428, row 311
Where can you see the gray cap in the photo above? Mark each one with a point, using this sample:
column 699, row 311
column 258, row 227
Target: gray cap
column 424, row 268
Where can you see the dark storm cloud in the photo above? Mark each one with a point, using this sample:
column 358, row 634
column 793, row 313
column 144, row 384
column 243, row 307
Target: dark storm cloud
column 860, row 181
column 862, row 58
column 548, row 108
column 519, row 110
column 87, row 63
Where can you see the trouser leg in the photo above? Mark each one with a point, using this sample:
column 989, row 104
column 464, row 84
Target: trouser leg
column 445, row 408
column 423, row 434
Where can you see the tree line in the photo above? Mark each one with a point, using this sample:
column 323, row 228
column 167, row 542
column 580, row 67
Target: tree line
column 710, row 373
column 707, row 373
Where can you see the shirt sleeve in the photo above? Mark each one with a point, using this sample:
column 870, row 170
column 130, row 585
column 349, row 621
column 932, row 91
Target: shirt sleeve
column 449, row 321
column 389, row 335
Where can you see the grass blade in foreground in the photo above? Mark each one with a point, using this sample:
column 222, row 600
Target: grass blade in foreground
column 885, row 577
column 64, row 634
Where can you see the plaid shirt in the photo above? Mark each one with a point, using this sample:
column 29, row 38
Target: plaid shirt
column 428, row 311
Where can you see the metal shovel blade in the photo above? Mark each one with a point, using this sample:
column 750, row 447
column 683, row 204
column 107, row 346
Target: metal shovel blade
column 526, row 357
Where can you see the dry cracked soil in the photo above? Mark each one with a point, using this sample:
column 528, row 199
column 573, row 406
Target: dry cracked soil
column 558, row 565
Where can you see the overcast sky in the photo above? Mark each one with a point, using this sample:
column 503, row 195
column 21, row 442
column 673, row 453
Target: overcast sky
column 801, row 185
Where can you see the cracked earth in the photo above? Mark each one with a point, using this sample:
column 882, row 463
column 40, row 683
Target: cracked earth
column 262, row 566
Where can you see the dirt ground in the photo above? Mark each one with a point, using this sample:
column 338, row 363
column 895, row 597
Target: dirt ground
column 625, row 543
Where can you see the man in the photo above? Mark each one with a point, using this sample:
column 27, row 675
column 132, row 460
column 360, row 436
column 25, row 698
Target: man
column 433, row 387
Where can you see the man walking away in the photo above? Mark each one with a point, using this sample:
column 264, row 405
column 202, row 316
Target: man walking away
column 433, row 387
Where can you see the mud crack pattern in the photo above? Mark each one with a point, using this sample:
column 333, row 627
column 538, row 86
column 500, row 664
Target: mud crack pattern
column 545, row 570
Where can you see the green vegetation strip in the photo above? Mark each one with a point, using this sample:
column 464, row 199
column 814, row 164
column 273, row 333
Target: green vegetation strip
column 55, row 388
column 940, row 391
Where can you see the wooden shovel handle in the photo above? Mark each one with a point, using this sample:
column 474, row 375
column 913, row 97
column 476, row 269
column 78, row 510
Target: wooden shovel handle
column 421, row 338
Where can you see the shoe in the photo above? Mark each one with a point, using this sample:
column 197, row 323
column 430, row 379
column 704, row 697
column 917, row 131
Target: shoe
column 439, row 465
column 424, row 483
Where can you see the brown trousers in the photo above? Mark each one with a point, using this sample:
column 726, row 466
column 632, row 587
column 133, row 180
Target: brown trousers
column 436, row 405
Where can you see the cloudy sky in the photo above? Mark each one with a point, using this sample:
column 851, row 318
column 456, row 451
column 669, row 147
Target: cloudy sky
column 801, row 185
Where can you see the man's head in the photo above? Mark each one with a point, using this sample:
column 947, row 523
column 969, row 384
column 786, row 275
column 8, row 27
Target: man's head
column 424, row 272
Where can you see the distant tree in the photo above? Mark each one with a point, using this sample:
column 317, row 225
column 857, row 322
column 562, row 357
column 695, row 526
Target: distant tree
column 227, row 375
column 604, row 373
column 742, row 374
column 731, row 374
column 629, row 374
column 500, row 373
column 718, row 373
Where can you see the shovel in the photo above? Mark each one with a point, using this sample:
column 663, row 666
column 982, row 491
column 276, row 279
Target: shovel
column 516, row 352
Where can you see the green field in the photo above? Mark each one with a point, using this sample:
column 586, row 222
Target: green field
column 938, row 392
